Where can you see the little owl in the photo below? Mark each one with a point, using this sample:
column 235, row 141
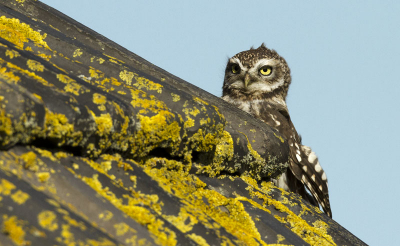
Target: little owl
column 257, row 81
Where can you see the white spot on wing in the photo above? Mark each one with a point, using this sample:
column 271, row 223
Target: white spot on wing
column 323, row 176
column 305, row 168
column 318, row 167
column 320, row 187
column 312, row 157
column 313, row 177
column 298, row 157
column 277, row 122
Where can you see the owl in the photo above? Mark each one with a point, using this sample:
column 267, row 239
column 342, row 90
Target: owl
column 257, row 81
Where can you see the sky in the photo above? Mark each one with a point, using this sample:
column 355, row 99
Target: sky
column 344, row 97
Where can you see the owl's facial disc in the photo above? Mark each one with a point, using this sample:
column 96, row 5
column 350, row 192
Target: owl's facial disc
column 258, row 78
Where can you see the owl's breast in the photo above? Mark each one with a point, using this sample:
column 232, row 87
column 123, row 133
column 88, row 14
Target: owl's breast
column 274, row 115
column 272, row 112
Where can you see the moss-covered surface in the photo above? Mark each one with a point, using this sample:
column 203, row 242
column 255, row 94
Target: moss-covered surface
column 99, row 147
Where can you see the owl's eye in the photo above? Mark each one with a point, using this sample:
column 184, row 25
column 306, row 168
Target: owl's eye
column 266, row 70
column 235, row 68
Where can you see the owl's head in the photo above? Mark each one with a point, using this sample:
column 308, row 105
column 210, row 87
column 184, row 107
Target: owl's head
column 256, row 74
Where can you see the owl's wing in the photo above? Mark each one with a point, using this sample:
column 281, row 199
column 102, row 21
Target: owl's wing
column 305, row 166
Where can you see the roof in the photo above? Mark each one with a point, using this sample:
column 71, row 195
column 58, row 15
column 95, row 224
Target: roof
column 101, row 147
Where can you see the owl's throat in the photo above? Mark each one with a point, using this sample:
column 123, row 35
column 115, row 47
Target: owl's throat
column 244, row 94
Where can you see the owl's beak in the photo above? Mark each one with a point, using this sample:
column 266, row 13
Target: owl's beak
column 246, row 80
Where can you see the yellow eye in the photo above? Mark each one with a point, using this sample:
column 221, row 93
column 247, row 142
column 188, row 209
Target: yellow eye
column 235, row 68
column 265, row 70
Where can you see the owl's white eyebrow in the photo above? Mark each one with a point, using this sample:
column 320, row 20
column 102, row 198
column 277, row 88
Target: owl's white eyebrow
column 264, row 62
column 237, row 61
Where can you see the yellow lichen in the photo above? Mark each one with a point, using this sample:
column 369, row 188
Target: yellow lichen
column 134, row 181
column 71, row 85
column 184, row 221
column 188, row 113
column 57, row 126
column 6, row 187
column 100, row 60
column 144, row 83
column 106, row 215
column 19, row 33
column 45, row 153
column 48, row 220
column 198, row 239
column 126, row 76
column 47, row 58
column 67, row 238
column 29, row 160
column 224, row 148
column 175, row 97
column 35, row 65
column 189, row 122
column 16, row 69
column 54, row 27
column 60, row 155
column 73, row 88
column 96, row 74
column 115, row 59
column 64, row 78
column 155, row 131
column 99, row 100
column 77, row 53
column 314, row 235
column 73, row 222
column 121, row 229
column 104, row 123
column 279, row 137
column 280, row 238
column 6, row 125
column 14, row 229
column 162, row 235
column 148, row 103
column 20, row 197
column 12, row 53
column 204, row 121
column 199, row 100
column 258, row 163
column 8, row 75
column 232, row 216
column 43, row 176
column 191, row 111
column 223, row 153
column 205, row 141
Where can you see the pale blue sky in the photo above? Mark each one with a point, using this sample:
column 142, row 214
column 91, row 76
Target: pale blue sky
column 344, row 98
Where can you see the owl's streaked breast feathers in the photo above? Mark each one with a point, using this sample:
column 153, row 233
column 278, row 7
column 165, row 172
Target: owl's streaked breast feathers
column 257, row 81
